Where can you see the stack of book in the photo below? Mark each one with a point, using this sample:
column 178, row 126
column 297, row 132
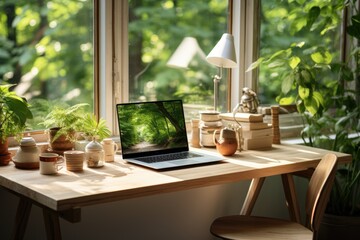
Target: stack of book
column 256, row 133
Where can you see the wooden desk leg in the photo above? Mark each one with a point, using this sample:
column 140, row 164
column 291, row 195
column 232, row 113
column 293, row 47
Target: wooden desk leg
column 21, row 219
column 52, row 224
column 252, row 194
column 291, row 199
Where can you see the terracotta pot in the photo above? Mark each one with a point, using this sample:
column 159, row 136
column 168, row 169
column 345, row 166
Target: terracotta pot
column 339, row 227
column 5, row 156
column 61, row 143
column 4, row 147
column 227, row 144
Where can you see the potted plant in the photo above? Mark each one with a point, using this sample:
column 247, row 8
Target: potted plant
column 94, row 131
column 63, row 123
column 342, row 218
column 330, row 109
column 93, row 128
column 14, row 111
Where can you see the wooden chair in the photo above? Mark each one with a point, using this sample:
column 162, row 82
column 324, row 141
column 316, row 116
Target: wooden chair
column 253, row 227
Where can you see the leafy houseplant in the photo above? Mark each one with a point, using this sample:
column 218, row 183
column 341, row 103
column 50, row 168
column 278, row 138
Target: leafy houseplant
column 93, row 128
column 63, row 123
column 14, row 111
column 327, row 94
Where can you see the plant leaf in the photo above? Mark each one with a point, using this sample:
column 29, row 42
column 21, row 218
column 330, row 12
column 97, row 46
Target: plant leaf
column 294, row 62
column 287, row 83
column 255, row 64
column 278, row 53
column 312, row 16
column 306, row 75
column 303, row 92
column 322, row 58
column 318, row 97
column 286, row 100
column 311, row 105
column 276, row 63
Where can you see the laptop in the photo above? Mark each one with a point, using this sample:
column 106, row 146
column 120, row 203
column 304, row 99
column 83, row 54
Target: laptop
column 153, row 134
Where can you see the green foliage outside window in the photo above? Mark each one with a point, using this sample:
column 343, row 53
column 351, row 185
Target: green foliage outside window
column 156, row 28
column 46, row 50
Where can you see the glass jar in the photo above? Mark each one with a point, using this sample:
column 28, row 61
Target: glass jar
column 94, row 154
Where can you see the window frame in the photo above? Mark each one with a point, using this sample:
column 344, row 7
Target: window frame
column 246, row 31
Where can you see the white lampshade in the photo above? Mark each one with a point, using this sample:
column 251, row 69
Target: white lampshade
column 185, row 52
column 223, row 54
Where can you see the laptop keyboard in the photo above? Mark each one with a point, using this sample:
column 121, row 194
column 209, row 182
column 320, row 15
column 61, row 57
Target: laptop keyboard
column 168, row 157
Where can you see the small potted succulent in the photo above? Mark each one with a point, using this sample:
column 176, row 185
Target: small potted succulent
column 93, row 128
column 14, row 111
column 94, row 131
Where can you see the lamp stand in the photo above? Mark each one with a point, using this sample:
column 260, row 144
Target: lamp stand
column 217, row 79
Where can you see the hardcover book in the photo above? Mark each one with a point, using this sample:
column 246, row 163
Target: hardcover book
column 242, row 117
column 257, row 143
column 247, row 126
column 257, row 133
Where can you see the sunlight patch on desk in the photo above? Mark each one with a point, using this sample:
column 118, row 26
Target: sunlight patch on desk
column 306, row 151
column 96, row 181
column 264, row 162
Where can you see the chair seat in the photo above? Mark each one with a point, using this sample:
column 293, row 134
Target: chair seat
column 251, row 227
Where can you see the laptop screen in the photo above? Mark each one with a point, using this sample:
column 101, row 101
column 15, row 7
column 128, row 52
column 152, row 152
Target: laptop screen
column 148, row 128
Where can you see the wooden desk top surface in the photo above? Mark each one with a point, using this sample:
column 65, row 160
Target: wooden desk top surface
column 120, row 180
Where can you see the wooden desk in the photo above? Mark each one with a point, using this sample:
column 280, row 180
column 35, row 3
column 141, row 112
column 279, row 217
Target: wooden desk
column 66, row 193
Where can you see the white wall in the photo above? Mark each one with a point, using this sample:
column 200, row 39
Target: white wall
column 176, row 216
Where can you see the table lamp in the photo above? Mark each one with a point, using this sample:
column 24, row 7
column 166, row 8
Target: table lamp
column 223, row 56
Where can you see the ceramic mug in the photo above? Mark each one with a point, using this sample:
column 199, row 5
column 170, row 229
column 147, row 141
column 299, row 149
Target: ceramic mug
column 110, row 147
column 50, row 163
column 74, row 160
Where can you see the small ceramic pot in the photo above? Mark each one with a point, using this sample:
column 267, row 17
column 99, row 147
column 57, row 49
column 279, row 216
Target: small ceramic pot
column 28, row 151
column 227, row 143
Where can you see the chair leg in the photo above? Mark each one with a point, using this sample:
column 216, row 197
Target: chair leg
column 252, row 195
column 291, row 199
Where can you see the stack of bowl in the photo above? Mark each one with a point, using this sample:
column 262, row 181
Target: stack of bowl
column 74, row 160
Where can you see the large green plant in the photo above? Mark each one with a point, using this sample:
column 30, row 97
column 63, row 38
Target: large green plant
column 345, row 197
column 14, row 111
column 326, row 92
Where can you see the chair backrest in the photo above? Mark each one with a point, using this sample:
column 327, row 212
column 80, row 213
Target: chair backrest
column 319, row 190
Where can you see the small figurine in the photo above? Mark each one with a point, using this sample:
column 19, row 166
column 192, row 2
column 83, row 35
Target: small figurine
column 249, row 101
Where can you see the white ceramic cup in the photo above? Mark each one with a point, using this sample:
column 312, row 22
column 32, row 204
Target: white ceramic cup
column 50, row 163
column 110, row 147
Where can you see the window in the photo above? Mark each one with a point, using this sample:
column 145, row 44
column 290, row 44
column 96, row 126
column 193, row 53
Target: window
column 157, row 31
column 46, row 50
